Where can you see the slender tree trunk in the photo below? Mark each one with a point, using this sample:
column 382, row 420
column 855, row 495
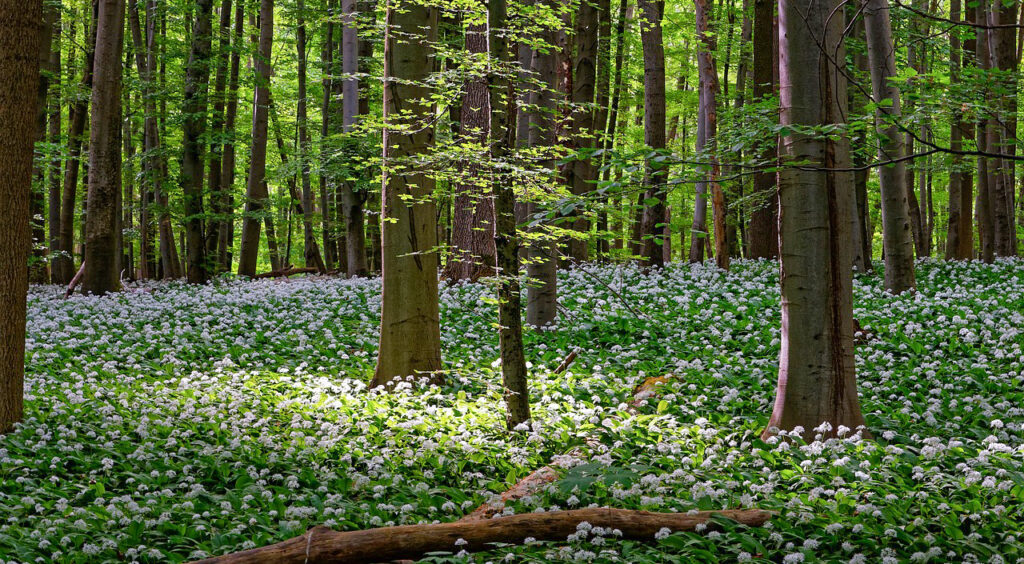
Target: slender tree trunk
column 193, row 127
column 897, row 239
column 226, row 231
column 218, row 193
column 256, row 188
column 64, row 264
column 542, row 268
column 37, row 264
column 327, row 84
column 506, row 239
column 986, row 226
column 959, row 237
column 1002, row 52
column 706, row 147
column 817, row 381
column 763, row 232
column 102, row 263
column 311, row 252
column 410, row 335
column 53, row 170
column 654, row 130
column 20, row 34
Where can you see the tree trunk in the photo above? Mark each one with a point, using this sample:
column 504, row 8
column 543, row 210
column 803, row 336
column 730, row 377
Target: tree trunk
column 352, row 200
column 707, row 146
column 311, row 252
column 102, row 263
column 506, row 239
column 327, row 84
column 654, row 131
column 472, row 246
column 897, row 237
column 817, row 382
column 218, row 192
column 542, row 291
column 256, row 190
column 410, row 335
column 226, row 231
column 64, row 264
column 193, row 127
column 763, row 232
column 959, row 236
column 20, row 34
column 1002, row 52
column 986, row 226
column 584, row 134
column 53, row 170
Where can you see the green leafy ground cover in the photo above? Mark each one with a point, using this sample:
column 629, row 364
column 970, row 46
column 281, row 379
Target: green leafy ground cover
column 174, row 422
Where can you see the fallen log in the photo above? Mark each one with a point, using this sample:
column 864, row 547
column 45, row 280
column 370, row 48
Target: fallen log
column 75, row 281
column 285, row 272
column 321, row 545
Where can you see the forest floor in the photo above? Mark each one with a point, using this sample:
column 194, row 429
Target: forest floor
column 171, row 422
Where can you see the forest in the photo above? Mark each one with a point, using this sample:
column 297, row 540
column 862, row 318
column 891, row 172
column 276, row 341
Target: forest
column 346, row 281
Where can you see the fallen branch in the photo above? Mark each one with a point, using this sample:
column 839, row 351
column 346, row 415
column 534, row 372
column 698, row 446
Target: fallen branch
column 321, row 545
column 75, row 281
column 567, row 362
column 284, row 272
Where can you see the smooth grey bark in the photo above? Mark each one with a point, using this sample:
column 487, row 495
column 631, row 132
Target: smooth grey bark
column 817, row 380
column 352, row 200
column 410, row 334
column 310, row 249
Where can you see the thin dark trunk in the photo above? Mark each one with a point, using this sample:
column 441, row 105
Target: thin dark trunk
column 654, row 131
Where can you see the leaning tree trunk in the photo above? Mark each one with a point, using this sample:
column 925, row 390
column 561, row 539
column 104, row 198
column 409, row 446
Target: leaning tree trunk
column 256, row 188
column 816, row 382
column 473, row 253
column 193, row 127
column 410, row 334
column 102, row 263
column 20, row 23
column 897, row 236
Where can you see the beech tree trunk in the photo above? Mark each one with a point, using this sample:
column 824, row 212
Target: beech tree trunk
column 102, row 219
column 20, row 26
column 226, row 231
column 763, row 232
column 897, row 237
column 654, row 131
column 959, row 232
column 194, row 126
column 217, row 193
column 817, row 382
column 410, row 334
column 256, row 189
column 321, row 545
column 310, row 249
column 707, row 145
column 584, row 75
column 983, row 206
column 352, row 199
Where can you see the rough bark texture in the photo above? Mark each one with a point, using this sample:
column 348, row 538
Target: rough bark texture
column 103, row 216
column 654, row 130
column 897, row 237
column 817, row 382
column 542, row 292
column 256, row 189
column 321, row 545
column 20, row 23
column 472, row 243
column 193, row 110
column 410, row 335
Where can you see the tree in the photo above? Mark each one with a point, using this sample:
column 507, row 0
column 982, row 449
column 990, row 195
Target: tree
column 103, row 217
column 20, row 25
column 897, row 237
column 410, row 333
column 193, row 128
column 763, row 232
column 707, row 129
column 311, row 252
column 959, row 234
column 502, row 102
column 352, row 199
column 473, row 252
column 256, row 188
column 583, row 173
column 654, row 130
column 817, row 381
